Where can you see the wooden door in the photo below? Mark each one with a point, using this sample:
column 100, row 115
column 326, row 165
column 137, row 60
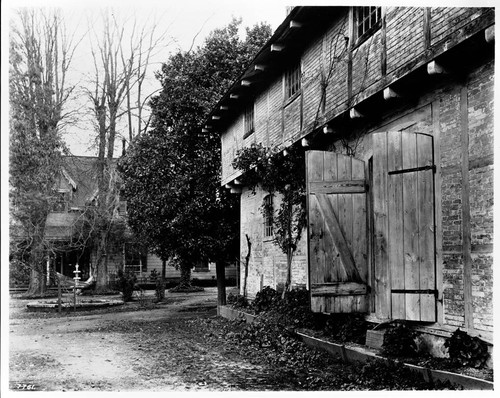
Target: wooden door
column 337, row 236
column 404, row 226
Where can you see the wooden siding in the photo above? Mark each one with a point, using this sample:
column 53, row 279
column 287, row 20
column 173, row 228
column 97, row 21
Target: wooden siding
column 391, row 52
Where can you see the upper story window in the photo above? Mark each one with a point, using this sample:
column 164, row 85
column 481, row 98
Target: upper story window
column 292, row 81
column 268, row 216
column 366, row 21
column 61, row 201
column 249, row 121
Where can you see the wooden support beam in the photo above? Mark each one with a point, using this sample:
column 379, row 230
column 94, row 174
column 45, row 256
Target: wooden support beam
column 277, row 47
column 305, row 142
column 204, row 130
column 390, row 93
column 224, row 108
column 237, row 181
column 354, row 114
column 260, row 68
column 215, row 117
column 246, row 83
column 434, row 68
column 489, row 34
column 234, row 96
column 295, row 24
column 466, row 217
column 327, row 130
column 227, row 186
column 235, row 190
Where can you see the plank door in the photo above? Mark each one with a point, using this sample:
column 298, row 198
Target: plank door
column 337, row 235
column 404, row 226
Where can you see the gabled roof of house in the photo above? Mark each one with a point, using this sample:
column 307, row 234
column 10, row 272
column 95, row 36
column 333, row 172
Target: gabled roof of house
column 60, row 225
column 290, row 38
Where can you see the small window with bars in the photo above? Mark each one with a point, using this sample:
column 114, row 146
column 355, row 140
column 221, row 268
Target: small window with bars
column 368, row 19
column 268, row 216
column 249, row 121
column 292, row 81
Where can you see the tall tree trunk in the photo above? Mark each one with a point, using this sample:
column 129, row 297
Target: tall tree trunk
column 101, row 285
column 38, row 280
column 221, row 284
column 185, row 281
column 247, row 261
column 38, row 285
column 163, row 269
column 288, row 282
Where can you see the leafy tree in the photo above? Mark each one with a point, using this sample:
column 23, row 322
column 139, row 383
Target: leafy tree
column 171, row 174
column 40, row 55
column 283, row 173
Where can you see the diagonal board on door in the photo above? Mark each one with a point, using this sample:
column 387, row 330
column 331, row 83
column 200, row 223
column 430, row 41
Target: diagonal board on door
column 337, row 238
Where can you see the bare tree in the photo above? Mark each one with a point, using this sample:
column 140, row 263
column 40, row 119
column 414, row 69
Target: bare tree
column 40, row 56
column 121, row 58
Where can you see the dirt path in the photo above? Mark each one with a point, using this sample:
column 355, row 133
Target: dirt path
column 84, row 353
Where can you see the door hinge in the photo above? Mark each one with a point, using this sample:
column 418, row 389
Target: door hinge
column 433, row 168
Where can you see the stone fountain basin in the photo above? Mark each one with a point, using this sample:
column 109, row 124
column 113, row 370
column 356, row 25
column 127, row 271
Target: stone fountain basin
column 81, row 305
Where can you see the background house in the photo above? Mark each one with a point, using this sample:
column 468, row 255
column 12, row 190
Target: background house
column 393, row 107
column 76, row 188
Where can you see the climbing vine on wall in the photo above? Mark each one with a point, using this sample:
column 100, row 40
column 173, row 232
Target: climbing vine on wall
column 283, row 173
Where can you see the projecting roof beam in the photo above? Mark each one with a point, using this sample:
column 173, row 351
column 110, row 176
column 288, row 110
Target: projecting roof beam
column 259, row 67
column 224, row 108
column 234, row 96
column 246, row 83
column 390, row 93
column 215, row 117
column 277, row 47
column 433, row 68
column 354, row 114
column 489, row 34
column 295, row 24
column 327, row 130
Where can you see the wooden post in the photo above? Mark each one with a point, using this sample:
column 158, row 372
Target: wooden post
column 59, row 294
column 221, row 284
column 466, row 222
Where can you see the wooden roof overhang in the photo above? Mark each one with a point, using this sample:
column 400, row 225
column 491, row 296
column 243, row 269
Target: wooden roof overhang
column 449, row 58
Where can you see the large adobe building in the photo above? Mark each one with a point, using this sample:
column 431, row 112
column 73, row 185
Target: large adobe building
column 393, row 108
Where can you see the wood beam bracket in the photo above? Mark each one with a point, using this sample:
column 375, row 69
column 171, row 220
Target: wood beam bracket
column 390, row 93
column 489, row 34
column 354, row 114
column 434, row 68
column 277, row 47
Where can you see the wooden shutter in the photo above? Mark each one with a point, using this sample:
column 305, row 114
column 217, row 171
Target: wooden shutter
column 404, row 241
column 336, row 191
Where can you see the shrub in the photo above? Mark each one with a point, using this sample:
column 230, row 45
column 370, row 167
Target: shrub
column 265, row 299
column 126, row 283
column 237, row 300
column 399, row 341
column 466, row 350
column 347, row 327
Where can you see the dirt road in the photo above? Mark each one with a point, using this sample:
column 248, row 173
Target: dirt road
column 86, row 352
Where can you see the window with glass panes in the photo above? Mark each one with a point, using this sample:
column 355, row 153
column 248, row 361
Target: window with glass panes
column 268, row 217
column 367, row 19
column 292, row 81
column 249, row 121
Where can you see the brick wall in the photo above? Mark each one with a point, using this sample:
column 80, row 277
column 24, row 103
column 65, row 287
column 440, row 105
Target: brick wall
column 267, row 266
column 405, row 42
